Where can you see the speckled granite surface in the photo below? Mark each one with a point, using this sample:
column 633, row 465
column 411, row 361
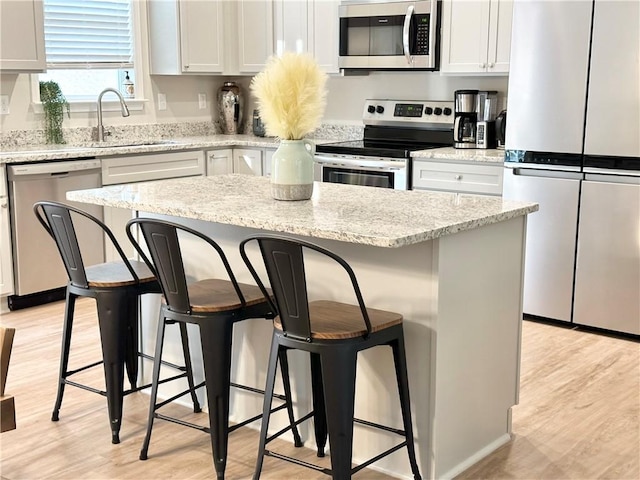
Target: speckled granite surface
column 25, row 150
column 362, row 215
column 461, row 154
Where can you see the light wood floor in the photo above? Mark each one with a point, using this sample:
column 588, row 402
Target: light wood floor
column 578, row 416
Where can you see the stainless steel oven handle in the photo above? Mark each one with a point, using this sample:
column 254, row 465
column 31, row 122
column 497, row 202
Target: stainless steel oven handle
column 361, row 164
column 405, row 34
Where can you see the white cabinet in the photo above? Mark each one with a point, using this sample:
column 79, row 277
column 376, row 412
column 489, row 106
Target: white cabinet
column 255, row 34
column 444, row 176
column 6, row 265
column 248, row 161
column 476, row 36
column 143, row 168
column 308, row 26
column 219, row 162
column 187, row 37
column 22, row 36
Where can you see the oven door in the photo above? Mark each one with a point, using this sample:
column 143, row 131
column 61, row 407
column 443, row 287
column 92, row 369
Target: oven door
column 384, row 172
column 391, row 35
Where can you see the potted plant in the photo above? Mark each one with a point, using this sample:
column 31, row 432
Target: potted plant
column 291, row 98
column 53, row 104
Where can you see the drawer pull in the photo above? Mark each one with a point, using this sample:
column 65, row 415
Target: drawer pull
column 458, row 177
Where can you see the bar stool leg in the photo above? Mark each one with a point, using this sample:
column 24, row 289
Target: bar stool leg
column 216, row 338
column 132, row 340
column 319, row 413
column 188, row 366
column 284, row 367
column 400, row 360
column 113, row 322
column 157, row 363
column 268, row 398
column 339, row 378
column 64, row 352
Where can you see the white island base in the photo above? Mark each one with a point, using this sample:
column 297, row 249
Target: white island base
column 451, row 264
column 460, row 297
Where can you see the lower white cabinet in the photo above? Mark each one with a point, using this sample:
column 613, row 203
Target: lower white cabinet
column 219, row 162
column 248, row 161
column 143, row 168
column 6, row 266
column 476, row 178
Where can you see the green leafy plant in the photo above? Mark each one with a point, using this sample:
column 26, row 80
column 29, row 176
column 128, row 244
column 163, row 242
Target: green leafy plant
column 54, row 104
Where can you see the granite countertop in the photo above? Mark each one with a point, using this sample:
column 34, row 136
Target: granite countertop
column 36, row 153
column 60, row 152
column 461, row 154
column 349, row 213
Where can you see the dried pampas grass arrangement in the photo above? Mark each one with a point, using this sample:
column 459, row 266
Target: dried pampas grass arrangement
column 291, row 95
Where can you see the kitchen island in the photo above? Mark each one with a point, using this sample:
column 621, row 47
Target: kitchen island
column 451, row 264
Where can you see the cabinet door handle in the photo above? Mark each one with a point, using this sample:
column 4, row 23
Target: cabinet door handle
column 483, row 65
column 458, row 177
column 491, row 65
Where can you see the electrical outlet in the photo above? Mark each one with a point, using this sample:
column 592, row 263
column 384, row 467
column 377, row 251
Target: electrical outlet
column 202, row 101
column 4, row 104
column 162, row 101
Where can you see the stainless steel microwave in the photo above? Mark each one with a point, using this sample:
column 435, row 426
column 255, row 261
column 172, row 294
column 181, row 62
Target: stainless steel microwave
column 389, row 35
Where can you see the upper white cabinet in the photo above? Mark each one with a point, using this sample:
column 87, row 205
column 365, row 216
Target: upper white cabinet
column 205, row 37
column 22, row 36
column 185, row 37
column 476, row 36
column 310, row 26
column 254, row 33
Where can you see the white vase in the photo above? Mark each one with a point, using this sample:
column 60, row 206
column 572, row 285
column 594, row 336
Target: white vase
column 292, row 170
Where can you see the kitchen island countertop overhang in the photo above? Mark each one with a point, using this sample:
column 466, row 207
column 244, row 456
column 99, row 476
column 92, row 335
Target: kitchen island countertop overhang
column 368, row 216
column 455, row 273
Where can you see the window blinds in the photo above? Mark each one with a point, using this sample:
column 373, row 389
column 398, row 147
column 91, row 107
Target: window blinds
column 88, row 33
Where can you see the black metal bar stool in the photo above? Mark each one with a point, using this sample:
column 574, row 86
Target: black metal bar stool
column 333, row 333
column 214, row 305
column 116, row 287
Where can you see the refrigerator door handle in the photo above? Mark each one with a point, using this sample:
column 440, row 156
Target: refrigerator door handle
column 545, row 173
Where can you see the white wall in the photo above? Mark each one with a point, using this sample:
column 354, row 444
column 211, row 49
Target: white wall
column 346, row 96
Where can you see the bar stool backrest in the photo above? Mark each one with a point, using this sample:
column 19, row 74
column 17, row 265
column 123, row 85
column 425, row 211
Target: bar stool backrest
column 284, row 263
column 56, row 218
column 161, row 238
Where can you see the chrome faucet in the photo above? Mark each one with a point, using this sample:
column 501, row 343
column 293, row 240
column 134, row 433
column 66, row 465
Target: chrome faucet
column 123, row 109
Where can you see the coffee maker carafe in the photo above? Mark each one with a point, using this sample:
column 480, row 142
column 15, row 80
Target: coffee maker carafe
column 465, row 118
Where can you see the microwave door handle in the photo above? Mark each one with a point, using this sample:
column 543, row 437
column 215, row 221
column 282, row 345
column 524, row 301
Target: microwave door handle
column 405, row 34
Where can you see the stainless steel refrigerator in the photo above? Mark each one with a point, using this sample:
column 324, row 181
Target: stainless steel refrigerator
column 573, row 145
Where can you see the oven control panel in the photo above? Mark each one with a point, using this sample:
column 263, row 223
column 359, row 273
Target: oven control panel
column 408, row 112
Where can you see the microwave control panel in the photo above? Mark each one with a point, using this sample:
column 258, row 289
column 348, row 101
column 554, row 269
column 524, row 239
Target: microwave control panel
column 422, row 35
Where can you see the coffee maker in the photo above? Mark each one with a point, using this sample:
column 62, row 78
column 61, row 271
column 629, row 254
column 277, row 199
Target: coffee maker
column 474, row 119
column 465, row 118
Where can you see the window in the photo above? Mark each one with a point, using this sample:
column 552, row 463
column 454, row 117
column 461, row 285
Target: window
column 89, row 46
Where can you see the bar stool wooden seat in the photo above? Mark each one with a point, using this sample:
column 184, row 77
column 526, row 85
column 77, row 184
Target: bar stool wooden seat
column 116, row 287
column 215, row 305
column 333, row 333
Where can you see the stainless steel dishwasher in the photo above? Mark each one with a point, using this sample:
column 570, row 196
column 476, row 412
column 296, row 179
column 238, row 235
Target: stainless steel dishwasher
column 39, row 275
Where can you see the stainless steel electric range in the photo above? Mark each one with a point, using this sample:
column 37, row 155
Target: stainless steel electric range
column 393, row 129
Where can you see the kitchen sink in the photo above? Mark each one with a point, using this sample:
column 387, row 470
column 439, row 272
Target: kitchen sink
column 139, row 143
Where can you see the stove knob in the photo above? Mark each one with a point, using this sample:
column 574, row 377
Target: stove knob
column 371, row 109
column 428, row 110
column 447, row 111
column 438, row 111
column 380, row 109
